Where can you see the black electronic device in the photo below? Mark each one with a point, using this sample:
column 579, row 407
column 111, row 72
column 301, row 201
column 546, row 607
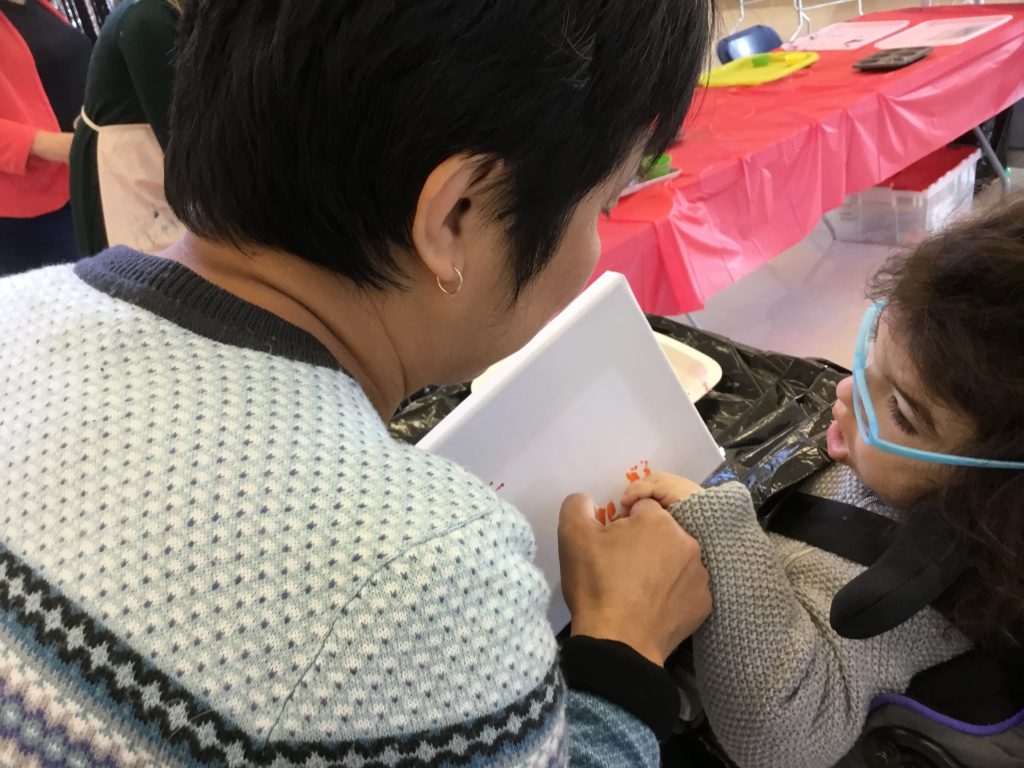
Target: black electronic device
column 896, row 58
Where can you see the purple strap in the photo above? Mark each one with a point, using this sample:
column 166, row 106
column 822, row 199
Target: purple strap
column 899, row 700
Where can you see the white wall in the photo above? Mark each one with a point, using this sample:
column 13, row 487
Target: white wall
column 780, row 14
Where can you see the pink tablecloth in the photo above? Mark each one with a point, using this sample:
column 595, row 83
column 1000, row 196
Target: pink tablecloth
column 761, row 165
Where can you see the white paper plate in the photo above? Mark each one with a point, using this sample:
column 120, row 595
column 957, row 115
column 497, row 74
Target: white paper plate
column 697, row 373
column 636, row 186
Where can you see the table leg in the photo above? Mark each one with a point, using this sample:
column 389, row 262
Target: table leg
column 801, row 19
column 986, row 148
column 828, row 225
column 739, row 21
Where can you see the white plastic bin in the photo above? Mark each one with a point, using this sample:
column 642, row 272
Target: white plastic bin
column 903, row 217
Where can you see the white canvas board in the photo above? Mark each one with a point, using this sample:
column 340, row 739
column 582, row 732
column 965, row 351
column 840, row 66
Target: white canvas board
column 846, row 35
column 589, row 399
column 938, row 32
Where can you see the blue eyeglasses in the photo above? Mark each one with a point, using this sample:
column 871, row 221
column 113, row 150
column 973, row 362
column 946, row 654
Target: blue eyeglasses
column 867, row 422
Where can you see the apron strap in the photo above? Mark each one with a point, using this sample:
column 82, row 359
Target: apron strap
column 87, row 121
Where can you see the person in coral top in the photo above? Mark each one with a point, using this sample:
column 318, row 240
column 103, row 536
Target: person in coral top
column 43, row 63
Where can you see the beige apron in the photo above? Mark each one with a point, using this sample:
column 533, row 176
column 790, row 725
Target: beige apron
column 130, row 166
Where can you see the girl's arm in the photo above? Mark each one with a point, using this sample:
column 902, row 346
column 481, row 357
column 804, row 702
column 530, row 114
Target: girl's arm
column 781, row 688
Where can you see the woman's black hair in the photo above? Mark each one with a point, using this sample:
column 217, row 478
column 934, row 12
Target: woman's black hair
column 957, row 307
column 310, row 126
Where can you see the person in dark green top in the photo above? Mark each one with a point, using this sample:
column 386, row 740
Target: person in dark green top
column 117, row 152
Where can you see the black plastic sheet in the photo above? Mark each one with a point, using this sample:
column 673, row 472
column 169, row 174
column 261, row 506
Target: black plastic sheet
column 769, row 412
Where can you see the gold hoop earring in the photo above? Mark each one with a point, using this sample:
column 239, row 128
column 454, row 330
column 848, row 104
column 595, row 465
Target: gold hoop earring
column 445, row 290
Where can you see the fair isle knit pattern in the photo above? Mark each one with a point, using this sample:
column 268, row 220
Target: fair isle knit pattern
column 214, row 554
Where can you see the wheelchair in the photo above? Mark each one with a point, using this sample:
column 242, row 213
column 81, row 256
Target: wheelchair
column 967, row 712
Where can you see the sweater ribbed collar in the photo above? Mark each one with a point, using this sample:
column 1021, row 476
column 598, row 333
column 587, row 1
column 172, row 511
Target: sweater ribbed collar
column 174, row 292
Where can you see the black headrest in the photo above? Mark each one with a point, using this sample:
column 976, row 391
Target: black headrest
column 924, row 562
column 909, row 565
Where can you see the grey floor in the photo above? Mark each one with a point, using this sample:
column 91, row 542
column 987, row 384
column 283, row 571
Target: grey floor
column 809, row 300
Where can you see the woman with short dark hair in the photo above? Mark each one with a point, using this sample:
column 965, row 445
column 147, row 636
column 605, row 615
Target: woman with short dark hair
column 218, row 556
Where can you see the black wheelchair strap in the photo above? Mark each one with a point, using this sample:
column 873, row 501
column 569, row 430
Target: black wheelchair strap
column 852, row 533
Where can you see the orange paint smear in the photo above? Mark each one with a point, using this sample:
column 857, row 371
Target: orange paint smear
column 607, row 513
column 637, row 470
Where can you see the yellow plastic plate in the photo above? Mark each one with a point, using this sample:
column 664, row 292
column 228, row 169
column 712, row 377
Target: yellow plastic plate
column 757, row 69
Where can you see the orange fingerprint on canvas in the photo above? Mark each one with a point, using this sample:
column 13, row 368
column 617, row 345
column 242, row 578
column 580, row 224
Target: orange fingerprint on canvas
column 634, row 473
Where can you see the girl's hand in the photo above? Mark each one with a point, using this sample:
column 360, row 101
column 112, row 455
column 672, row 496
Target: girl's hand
column 660, row 487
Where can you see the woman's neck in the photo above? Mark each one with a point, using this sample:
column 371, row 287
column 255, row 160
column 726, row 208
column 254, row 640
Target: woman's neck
column 349, row 322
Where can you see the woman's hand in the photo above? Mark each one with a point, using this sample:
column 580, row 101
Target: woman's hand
column 52, row 146
column 637, row 580
column 660, row 487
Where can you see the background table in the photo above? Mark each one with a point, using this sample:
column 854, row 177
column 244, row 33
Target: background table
column 762, row 165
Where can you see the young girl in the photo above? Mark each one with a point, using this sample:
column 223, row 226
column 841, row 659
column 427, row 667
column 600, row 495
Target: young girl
column 943, row 373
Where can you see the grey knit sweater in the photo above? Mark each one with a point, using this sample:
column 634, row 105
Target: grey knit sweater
column 781, row 689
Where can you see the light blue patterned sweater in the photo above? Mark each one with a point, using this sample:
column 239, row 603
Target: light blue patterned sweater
column 212, row 553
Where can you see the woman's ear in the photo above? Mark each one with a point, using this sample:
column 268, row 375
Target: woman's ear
column 439, row 224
